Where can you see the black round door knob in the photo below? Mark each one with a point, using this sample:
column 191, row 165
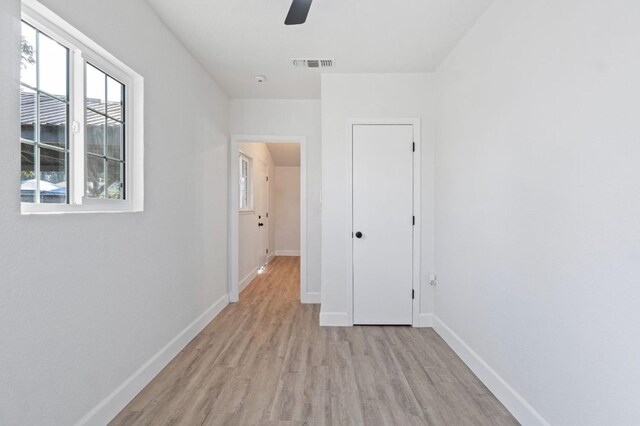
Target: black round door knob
column 358, row 234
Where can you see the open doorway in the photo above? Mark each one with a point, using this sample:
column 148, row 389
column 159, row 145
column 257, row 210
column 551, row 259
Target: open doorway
column 267, row 189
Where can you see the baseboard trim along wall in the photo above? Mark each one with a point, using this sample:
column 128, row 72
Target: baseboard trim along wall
column 313, row 298
column 246, row 280
column 287, row 252
column 424, row 321
column 512, row 400
column 109, row 407
column 334, row 319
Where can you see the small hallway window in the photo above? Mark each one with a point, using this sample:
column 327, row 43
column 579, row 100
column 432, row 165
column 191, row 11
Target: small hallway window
column 245, row 182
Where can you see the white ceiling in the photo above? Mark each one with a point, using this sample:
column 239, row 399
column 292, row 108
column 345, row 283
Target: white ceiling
column 238, row 39
column 285, row 154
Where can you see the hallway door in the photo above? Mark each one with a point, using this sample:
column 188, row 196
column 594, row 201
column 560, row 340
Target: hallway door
column 262, row 212
column 382, row 224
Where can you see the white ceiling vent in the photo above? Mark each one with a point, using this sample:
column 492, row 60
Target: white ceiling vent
column 312, row 63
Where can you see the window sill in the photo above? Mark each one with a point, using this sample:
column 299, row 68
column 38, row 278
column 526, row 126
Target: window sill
column 94, row 207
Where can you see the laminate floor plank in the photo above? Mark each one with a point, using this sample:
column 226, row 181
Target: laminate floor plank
column 266, row 361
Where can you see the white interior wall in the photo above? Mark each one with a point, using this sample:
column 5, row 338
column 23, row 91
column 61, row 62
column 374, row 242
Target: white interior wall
column 537, row 207
column 347, row 96
column 87, row 299
column 287, row 208
column 291, row 118
column 248, row 239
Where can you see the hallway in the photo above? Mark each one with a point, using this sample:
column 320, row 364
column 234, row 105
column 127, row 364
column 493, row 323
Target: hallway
column 265, row 360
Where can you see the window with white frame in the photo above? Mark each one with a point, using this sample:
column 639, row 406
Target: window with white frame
column 245, row 182
column 81, row 121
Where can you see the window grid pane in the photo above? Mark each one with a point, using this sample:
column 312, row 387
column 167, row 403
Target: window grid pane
column 95, row 89
column 95, row 177
column 115, row 184
column 52, row 115
column 44, row 116
column 53, row 176
column 115, row 92
column 27, row 114
column 114, row 139
column 94, row 134
column 27, row 173
column 28, row 55
column 52, row 67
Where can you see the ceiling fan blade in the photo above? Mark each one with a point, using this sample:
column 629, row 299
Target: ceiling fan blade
column 298, row 12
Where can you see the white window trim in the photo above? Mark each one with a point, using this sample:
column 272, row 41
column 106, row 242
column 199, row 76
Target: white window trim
column 250, row 207
column 82, row 49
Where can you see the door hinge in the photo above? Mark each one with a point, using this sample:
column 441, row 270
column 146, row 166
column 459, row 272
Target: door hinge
column 267, row 251
column 414, row 221
column 267, row 215
column 267, row 178
column 414, row 147
column 413, row 294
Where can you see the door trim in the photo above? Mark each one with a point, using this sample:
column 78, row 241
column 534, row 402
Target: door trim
column 415, row 122
column 233, row 210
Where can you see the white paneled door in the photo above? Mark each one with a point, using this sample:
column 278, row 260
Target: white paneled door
column 262, row 209
column 382, row 224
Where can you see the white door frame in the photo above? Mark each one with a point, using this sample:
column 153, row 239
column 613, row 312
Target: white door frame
column 234, row 294
column 415, row 122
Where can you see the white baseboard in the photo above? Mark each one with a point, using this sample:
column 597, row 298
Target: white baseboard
column 109, row 407
column 312, row 298
column 424, row 320
column 334, row 319
column 512, row 400
column 270, row 257
column 246, row 280
column 287, row 252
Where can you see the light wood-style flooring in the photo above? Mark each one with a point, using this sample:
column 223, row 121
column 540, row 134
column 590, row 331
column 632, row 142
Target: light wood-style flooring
column 266, row 361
